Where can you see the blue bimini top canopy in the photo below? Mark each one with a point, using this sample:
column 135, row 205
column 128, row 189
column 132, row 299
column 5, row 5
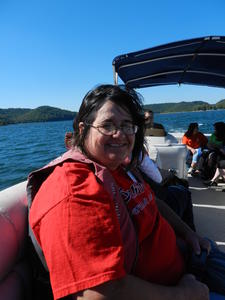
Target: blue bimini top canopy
column 199, row 61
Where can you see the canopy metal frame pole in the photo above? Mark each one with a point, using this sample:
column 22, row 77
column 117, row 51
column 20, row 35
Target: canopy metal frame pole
column 115, row 75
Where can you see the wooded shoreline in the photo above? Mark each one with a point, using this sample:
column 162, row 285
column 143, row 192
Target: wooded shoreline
column 48, row 113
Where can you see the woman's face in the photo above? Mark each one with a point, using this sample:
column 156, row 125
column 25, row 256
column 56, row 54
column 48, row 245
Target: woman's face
column 109, row 150
column 215, row 130
column 195, row 131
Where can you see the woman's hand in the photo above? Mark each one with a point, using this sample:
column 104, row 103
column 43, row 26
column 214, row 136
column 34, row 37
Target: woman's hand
column 132, row 288
column 192, row 288
column 196, row 242
column 192, row 150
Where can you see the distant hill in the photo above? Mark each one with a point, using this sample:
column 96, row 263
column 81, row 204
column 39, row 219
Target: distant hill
column 184, row 106
column 221, row 104
column 39, row 114
column 48, row 113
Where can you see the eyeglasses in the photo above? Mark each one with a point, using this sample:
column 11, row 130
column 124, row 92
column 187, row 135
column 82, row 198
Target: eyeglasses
column 111, row 129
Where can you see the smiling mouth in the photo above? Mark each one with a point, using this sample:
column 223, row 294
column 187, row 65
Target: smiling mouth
column 117, row 145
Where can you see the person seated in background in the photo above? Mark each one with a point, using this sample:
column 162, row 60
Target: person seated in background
column 91, row 212
column 217, row 138
column 152, row 128
column 195, row 142
column 219, row 174
column 68, row 140
column 175, row 193
column 214, row 152
column 69, row 135
column 220, row 164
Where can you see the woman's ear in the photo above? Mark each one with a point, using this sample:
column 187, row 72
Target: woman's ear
column 81, row 127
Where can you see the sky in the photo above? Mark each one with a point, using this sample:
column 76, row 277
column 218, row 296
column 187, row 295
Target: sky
column 52, row 52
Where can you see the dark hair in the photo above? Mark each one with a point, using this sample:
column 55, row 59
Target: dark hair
column 220, row 130
column 191, row 128
column 120, row 95
column 149, row 111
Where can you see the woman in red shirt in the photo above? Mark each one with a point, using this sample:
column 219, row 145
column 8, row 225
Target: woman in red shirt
column 195, row 141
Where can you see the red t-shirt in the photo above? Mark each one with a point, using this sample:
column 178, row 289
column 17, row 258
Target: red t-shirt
column 195, row 141
column 159, row 259
column 74, row 220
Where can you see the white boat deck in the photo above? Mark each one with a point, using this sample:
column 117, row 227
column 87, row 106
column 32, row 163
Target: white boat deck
column 209, row 210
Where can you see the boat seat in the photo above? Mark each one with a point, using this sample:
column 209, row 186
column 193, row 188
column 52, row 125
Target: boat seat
column 15, row 273
column 156, row 132
column 168, row 154
column 167, row 139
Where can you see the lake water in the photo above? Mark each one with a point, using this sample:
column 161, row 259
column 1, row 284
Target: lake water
column 26, row 147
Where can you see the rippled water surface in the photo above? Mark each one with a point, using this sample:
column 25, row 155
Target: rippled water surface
column 26, row 147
